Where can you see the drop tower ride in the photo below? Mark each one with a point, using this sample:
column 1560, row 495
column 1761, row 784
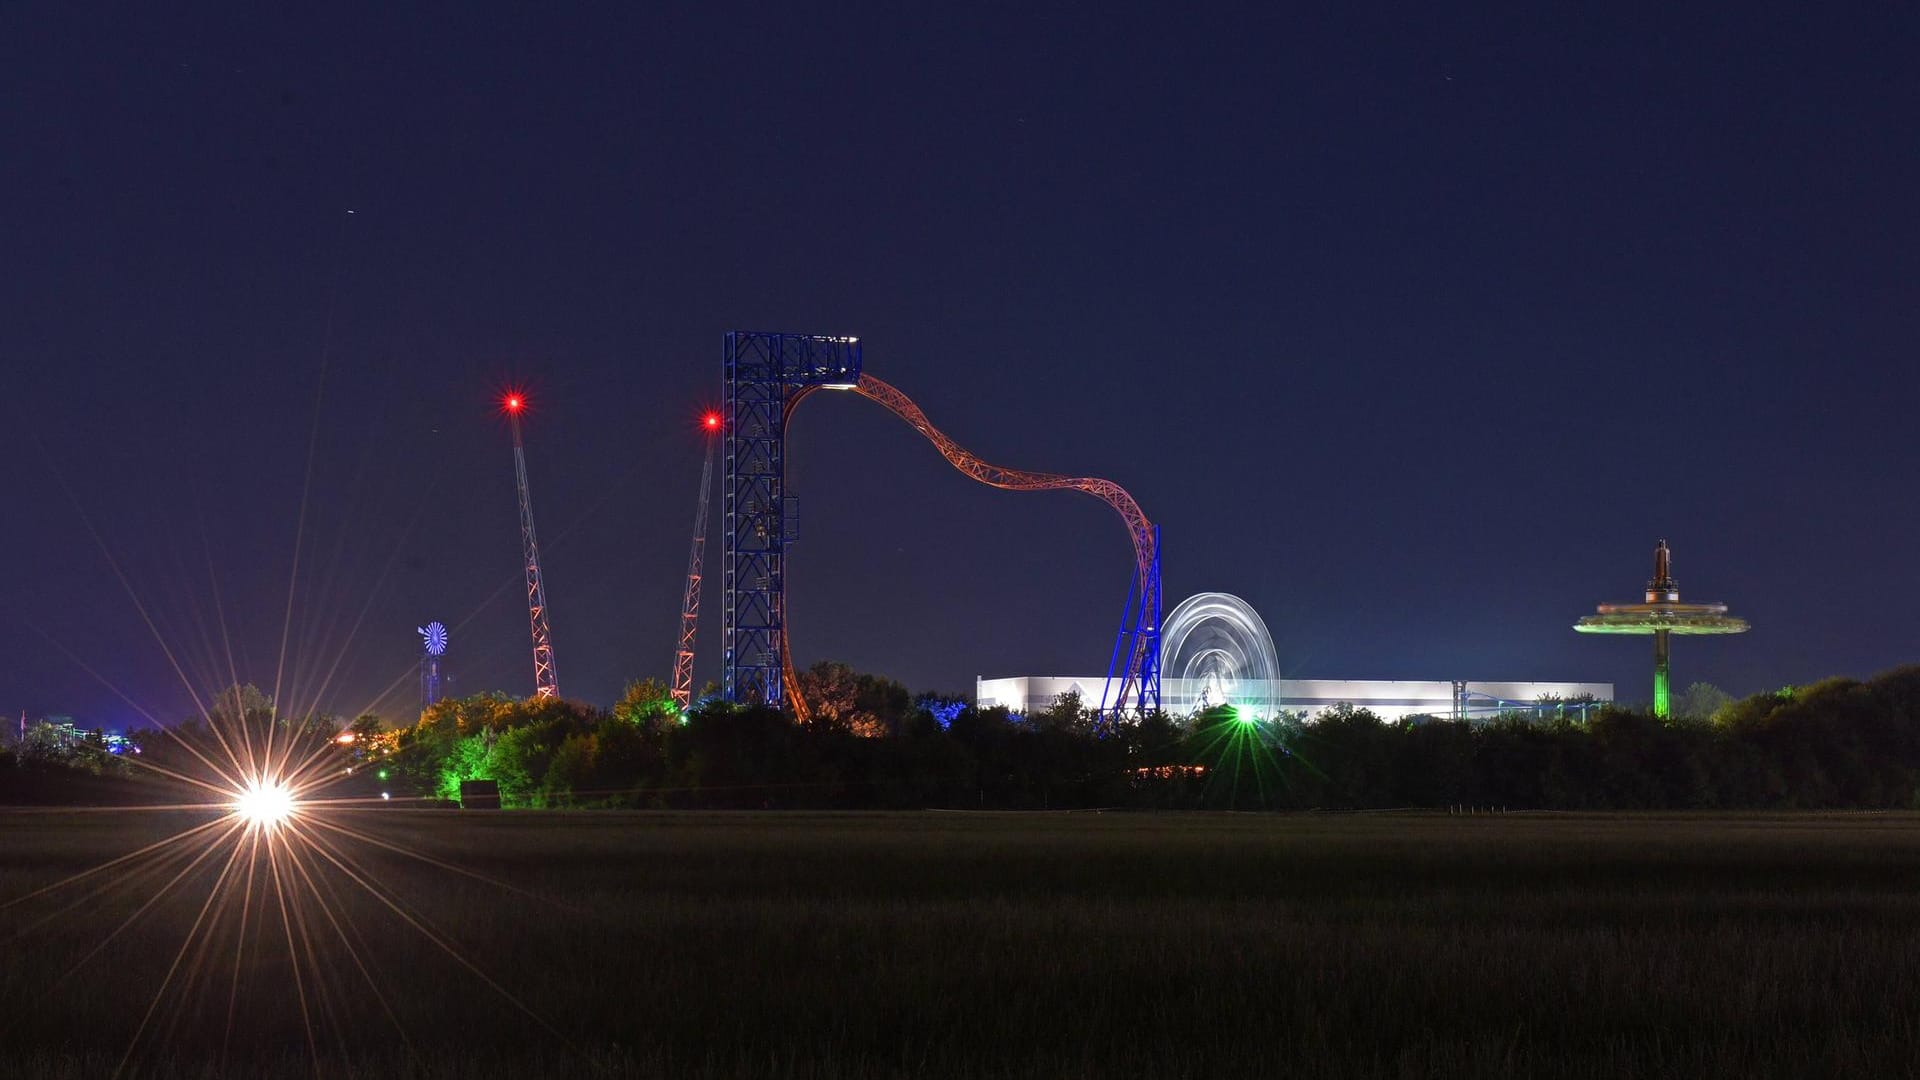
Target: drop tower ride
column 1661, row 615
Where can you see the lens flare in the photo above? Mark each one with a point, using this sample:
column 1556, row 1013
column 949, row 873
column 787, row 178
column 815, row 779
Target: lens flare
column 264, row 805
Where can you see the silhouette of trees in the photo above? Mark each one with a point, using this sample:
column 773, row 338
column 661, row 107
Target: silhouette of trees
column 1836, row 743
column 1840, row 742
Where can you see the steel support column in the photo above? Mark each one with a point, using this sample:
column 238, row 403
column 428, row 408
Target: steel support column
column 1662, row 670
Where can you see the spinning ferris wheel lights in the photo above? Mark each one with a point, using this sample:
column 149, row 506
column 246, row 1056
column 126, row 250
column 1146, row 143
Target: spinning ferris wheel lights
column 1215, row 651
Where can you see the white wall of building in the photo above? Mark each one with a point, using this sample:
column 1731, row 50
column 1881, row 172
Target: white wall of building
column 1390, row 699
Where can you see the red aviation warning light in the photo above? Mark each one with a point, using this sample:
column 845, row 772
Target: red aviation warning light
column 682, row 691
column 513, row 403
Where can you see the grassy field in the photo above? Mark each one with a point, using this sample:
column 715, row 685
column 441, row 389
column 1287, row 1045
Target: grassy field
column 948, row 945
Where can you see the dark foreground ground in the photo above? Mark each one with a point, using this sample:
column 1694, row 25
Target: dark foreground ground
column 948, row 945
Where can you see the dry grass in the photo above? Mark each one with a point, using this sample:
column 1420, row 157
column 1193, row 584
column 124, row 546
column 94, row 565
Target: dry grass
column 1084, row 945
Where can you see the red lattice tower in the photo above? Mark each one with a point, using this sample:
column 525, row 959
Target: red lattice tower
column 682, row 691
column 546, row 683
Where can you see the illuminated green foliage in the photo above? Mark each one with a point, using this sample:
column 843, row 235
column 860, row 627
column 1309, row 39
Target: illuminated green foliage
column 647, row 703
column 470, row 759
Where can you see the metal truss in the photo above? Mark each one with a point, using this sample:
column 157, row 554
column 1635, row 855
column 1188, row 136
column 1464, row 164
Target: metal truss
column 429, row 682
column 763, row 373
column 546, row 683
column 682, row 691
column 1133, row 672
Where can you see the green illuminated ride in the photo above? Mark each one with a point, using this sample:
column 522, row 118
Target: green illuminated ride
column 1663, row 614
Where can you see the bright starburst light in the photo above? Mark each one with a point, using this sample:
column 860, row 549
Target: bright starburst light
column 269, row 878
column 264, row 804
column 274, row 869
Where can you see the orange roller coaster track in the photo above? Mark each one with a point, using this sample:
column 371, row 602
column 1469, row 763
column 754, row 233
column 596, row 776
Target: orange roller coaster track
column 1138, row 675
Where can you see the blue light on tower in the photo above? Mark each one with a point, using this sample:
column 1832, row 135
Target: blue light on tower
column 433, row 646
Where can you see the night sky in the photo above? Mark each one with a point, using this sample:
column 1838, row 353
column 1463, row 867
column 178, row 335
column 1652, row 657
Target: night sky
column 1414, row 329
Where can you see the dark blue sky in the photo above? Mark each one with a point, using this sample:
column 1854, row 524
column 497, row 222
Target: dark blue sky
column 1413, row 328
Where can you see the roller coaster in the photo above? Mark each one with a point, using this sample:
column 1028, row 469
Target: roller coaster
column 767, row 376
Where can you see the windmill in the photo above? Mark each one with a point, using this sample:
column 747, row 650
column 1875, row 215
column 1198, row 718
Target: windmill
column 433, row 646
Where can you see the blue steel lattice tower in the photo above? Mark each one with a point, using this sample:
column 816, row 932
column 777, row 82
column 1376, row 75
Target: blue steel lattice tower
column 763, row 372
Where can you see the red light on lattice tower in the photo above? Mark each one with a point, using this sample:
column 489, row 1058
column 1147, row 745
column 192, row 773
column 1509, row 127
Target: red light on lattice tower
column 711, row 424
column 513, row 402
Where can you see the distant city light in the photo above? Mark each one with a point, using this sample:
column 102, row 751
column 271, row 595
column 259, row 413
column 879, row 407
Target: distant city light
column 344, row 738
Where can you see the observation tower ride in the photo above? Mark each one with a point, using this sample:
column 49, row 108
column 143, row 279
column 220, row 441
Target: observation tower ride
column 1661, row 615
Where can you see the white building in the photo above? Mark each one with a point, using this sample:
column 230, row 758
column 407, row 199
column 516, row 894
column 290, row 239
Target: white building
column 1390, row 699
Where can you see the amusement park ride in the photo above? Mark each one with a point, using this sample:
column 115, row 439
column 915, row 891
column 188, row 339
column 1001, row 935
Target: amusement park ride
column 433, row 649
column 1661, row 616
column 767, row 376
column 1216, row 646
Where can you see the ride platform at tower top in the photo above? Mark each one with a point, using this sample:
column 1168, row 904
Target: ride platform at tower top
column 1662, row 609
column 1662, row 615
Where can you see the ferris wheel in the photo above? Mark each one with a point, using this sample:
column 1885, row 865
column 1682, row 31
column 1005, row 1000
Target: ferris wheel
column 433, row 638
column 1215, row 650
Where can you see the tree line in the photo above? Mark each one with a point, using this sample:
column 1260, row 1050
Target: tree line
column 870, row 743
